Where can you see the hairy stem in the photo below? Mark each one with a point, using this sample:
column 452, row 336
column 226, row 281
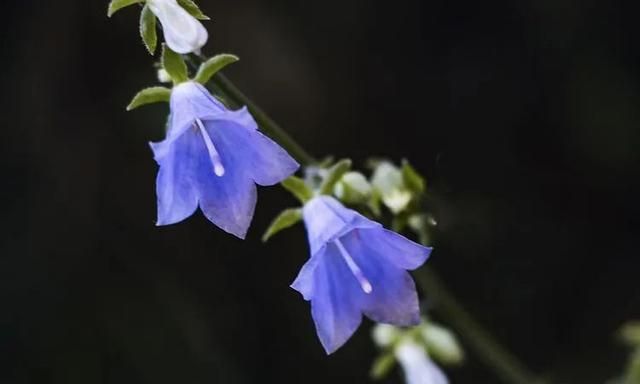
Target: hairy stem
column 506, row 366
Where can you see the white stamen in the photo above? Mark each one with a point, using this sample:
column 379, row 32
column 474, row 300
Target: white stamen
column 218, row 168
column 357, row 272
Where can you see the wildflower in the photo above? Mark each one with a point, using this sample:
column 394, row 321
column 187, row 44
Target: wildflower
column 213, row 157
column 182, row 32
column 356, row 267
column 417, row 366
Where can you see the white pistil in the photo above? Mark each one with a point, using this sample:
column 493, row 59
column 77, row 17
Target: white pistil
column 357, row 272
column 218, row 168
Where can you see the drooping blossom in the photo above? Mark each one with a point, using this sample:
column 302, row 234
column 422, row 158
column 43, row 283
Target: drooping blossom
column 356, row 267
column 212, row 157
column 417, row 366
column 182, row 32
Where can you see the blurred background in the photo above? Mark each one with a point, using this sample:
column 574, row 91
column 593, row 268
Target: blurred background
column 523, row 115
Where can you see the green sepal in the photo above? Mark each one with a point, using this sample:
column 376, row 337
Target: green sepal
column 193, row 9
column 412, row 179
column 382, row 366
column 334, row 174
column 210, row 67
column 117, row 5
column 284, row 220
column 298, row 188
column 149, row 96
column 174, row 64
column 630, row 333
column 148, row 29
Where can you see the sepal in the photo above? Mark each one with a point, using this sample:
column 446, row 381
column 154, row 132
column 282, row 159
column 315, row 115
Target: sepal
column 210, row 67
column 193, row 9
column 148, row 31
column 333, row 175
column 117, row 5
column 284, row 220
column 150, row 96
column 174, row 64
column 298, row 188
column 412, row 179
column 382, row 366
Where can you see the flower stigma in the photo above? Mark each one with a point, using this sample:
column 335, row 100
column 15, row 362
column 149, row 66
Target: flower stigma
column 357, row 272
column 214, row 155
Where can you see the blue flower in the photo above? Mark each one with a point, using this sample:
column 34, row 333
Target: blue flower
column 356, row 267
column 212, row 158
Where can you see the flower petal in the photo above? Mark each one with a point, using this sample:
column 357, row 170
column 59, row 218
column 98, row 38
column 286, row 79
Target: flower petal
column 417, row 366
column 396, row 249
column 229, row 200
column 191, row 101
column 334, row 306
column 176, row 192
column 394, row 299
column 326, row 220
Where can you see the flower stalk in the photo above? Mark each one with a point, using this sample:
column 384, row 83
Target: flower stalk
column 506, row 366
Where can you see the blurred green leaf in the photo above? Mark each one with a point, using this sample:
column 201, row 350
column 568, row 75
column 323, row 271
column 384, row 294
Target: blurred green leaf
column 630, row 333
column 117, row 5
column 174, row 64
column 334, row 174
column 191, row 7
column 149, row 96
column 298, row 188
column 382, row 366
column 412, row 179
column 210, row 67
column 148, row 29
column 284, row 220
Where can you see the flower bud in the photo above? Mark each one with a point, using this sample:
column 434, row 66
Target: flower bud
column 353, row 188
column 441, row 344
column 182, row 32
column 387, row 180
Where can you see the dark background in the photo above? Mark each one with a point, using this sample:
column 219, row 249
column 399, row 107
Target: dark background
column 523, row 114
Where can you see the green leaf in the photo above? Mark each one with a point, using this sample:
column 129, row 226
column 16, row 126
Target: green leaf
column 298, row 188
column 412, row 178
column 334, row 174
column 148, row 29
column 210, row 67
column 284, row 220
column 382, row 366
column 191, row 7
column 117, row 5
column 149, row 96
column 174, row 64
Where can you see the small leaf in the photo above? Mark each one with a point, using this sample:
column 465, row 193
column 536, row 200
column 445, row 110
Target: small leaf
column 117, row 5
column 174, row 64
column 298, row 188
column 334, row 174
column 193, row 9
column 149, row 96
column 412, row 178
column 148, row 29
column 382, row 366
column 210, row 67
column 286, row 219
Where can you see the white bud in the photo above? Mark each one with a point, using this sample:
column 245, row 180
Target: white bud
column 417, row 367
column 163, row 76
column 387, row 179
column 353, row 188
column 384, row 335
column 442, row 344
column 182, row 32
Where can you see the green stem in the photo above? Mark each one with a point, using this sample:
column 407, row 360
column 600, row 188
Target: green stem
column 507, row 367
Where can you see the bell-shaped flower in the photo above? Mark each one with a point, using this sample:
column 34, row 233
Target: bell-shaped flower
column 417, row 366
column 212, row 157
column 182, row 32
column 356, row 267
